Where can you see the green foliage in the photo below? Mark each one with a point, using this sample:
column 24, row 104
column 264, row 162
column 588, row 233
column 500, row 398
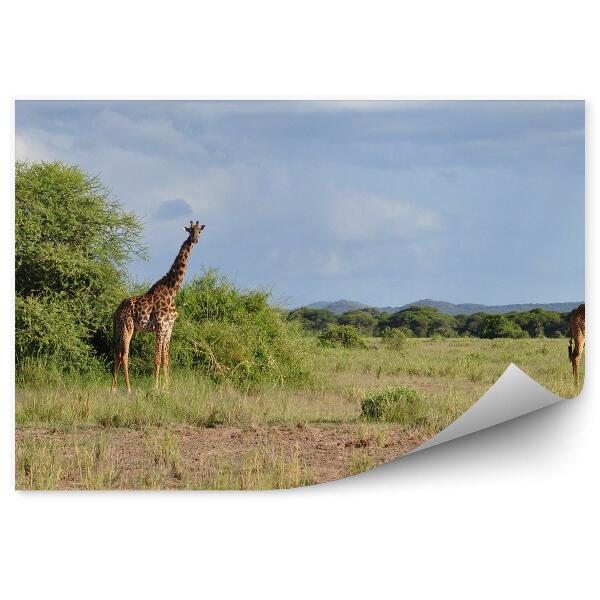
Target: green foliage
column 499, row 326
column 395, row 404
column 541, row 323
column 73, row 240
column 312, row 319
column 470, row 325
column 342, row 335
column 47, row 329
column 424, row 321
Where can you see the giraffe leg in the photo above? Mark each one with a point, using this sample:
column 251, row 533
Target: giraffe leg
column 579, row 343
column 116, row 369
column 127, row 335
column 165, row 359
column 157, row 359
column 121, row 355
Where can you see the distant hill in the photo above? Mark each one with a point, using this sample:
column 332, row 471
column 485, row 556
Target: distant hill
column 341, row 306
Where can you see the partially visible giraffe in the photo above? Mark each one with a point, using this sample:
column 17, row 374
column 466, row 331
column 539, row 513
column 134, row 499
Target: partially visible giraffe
column 577, row 335
column 153, row 311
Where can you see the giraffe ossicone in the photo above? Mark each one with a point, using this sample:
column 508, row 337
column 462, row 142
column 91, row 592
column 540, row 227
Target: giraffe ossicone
column 153, row 311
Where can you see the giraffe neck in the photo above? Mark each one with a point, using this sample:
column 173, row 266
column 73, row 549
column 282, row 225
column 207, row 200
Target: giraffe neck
column 174, row 278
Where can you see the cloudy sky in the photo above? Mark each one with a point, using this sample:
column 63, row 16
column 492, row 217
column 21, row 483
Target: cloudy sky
column 380, row 202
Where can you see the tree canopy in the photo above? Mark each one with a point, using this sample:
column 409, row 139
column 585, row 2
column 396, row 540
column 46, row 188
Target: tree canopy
column 313, row 319
column 73, row 240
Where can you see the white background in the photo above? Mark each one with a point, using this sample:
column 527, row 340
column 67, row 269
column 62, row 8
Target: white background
column 511, row 512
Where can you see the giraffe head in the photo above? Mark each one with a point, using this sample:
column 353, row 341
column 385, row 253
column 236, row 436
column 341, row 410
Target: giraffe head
column 194, row 230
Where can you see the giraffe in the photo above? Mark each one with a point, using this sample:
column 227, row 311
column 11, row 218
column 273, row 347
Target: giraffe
column 153, row 311
column 577, row 334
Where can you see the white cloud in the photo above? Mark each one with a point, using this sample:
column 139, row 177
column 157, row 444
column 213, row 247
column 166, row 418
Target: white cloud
column 39, row 145
column 368, row 217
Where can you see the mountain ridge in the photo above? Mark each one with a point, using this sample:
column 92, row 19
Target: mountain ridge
column 449, row 308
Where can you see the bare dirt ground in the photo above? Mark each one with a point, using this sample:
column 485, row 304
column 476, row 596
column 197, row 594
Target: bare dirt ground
column 191, row 457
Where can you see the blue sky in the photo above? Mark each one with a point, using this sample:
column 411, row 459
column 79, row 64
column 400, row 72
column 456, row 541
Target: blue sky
column 380, row 202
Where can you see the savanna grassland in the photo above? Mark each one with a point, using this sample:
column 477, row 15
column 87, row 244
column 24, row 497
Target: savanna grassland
column 259, row 397
column 72, row 433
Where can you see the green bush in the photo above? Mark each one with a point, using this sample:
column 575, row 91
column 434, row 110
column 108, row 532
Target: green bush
column 394, row 339
column 342, row 335
column 395, row 404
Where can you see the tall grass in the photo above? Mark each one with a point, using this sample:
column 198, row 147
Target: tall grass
column 191, row 399
column 449, row 374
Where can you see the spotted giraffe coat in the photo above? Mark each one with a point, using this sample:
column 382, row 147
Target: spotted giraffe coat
column 153, row 311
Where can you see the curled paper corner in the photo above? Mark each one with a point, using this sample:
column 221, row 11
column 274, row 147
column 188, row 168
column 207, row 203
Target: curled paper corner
column 513, row 395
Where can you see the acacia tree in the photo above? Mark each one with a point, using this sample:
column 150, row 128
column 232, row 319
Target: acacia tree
column 72, row 242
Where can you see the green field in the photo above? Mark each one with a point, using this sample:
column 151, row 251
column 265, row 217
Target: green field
column 72, row 433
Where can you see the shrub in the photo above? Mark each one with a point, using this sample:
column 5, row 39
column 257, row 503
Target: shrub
column 342, row 335
column 395, row 404
column 394, row 339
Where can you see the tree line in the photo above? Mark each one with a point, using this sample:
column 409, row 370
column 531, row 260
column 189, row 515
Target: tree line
column 426, row 321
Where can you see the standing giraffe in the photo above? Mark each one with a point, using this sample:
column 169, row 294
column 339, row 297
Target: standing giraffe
column 577, row 334
column 153, row 311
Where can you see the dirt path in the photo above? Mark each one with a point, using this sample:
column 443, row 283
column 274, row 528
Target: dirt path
column 192, row 457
